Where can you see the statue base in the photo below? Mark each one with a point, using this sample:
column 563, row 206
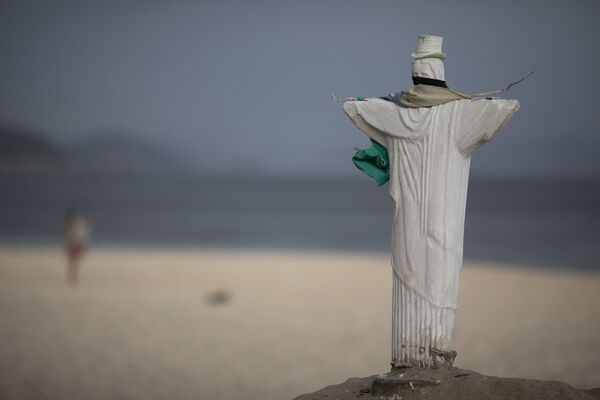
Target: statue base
column 403, row 378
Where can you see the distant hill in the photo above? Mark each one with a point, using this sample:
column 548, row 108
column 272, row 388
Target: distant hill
column 111, row 152
column 23, row 148
column 119, row 152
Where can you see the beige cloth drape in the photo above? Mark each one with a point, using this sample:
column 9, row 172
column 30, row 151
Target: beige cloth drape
column 429, row 96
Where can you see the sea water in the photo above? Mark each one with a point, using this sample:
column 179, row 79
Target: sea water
column 546, row 223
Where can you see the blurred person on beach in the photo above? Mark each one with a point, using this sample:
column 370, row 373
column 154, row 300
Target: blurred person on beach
column 76, row 234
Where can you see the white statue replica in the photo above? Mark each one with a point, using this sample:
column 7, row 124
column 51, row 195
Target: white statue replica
column 430, row 133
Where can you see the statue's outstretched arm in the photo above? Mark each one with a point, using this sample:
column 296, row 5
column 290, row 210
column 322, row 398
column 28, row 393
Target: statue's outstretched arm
column 352, row 110
column 481, row 120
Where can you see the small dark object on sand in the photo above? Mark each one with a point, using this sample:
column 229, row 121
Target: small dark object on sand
column 471, row 386
column 218, row 297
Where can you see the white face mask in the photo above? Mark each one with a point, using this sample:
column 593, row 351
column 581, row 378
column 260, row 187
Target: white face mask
column 432, row 68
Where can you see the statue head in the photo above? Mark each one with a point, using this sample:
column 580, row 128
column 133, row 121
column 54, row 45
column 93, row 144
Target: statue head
column 428, row 59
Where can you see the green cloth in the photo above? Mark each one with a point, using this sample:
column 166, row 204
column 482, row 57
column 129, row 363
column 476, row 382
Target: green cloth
column 429, row 96
column 441, row 56
column 374, row 162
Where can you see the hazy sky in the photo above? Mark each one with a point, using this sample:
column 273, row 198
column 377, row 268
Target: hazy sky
column 245, row 85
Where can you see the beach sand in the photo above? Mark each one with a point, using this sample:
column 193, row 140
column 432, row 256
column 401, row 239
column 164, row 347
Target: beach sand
column 175, row 324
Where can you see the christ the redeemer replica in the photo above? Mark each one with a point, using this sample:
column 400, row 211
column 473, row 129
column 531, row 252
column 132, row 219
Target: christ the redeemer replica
column 430, row 133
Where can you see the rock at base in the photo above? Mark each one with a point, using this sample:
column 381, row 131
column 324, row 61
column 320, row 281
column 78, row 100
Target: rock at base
column 455, row 384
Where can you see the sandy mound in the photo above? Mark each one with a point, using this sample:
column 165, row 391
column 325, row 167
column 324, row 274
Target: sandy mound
column 459, row 384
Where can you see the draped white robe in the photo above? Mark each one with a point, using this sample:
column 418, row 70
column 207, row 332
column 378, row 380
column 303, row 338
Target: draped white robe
column 430, row 153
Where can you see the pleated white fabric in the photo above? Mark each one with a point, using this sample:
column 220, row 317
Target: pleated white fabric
column 421, row 332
